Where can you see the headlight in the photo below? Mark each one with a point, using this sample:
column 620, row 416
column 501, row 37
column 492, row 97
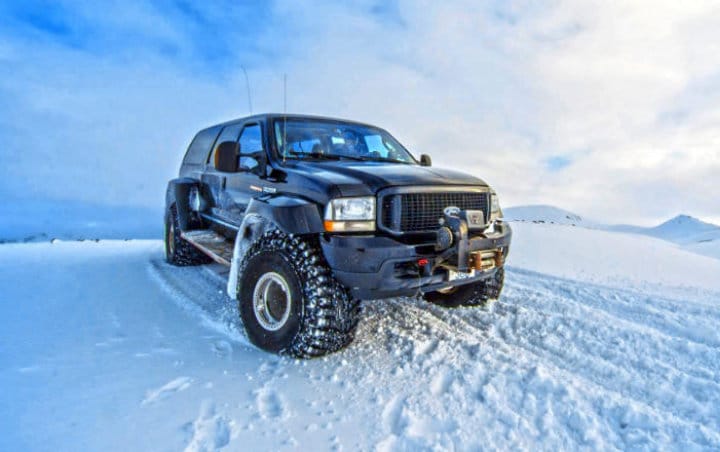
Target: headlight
column 350, row 214
column 495, row 210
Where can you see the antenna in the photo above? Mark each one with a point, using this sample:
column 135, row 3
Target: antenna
column 247, row 85
column 284, row 116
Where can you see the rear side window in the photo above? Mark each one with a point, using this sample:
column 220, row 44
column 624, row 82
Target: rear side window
column 200, row 147
column 229, row 133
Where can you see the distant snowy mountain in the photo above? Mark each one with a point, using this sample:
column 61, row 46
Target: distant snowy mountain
column 545, row 214
column 692, row 234
column 686, row 231
column 683, row 230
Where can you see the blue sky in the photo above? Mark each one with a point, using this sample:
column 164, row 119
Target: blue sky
column 101, row 98
column 184, row 32
column 557, row 162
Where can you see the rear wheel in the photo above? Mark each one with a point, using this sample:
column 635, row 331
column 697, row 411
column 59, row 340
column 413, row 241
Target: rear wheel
column 289, row 301
column 179, row 251
column 474, row 294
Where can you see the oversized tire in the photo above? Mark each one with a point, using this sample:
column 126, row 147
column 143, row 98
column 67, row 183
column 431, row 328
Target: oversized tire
column 177, row 250
column 474, row 294
column 289, row 301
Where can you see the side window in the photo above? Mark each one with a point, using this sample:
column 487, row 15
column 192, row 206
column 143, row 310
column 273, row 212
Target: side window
column 229, row 133
column 250, row 142
column 200, row 147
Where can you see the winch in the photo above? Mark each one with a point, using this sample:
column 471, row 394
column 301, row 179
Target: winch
column 456, row 226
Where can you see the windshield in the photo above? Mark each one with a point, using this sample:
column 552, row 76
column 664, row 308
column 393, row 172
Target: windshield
column 335, row 140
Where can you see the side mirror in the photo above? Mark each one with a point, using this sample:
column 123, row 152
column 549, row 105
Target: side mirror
column 425, row 160
column 226, row 157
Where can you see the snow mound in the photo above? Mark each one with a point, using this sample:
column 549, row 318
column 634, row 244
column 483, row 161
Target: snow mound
column 710, row 248
column 545, row 214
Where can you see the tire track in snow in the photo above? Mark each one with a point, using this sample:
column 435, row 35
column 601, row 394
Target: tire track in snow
column 199, row 292
column 638, row 382
column 568, row 346
column 474, row 325
column 681, row 355
column 566, row 368
column 539, row 366
column 628, row 349
column 508, row 357
column 675, row 353
column 660, row 302
column 671, row 320
column 453, row 359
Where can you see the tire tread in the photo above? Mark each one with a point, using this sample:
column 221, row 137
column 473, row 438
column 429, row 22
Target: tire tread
column 330, row 314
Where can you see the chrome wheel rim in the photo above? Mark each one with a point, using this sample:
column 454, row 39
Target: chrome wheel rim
column 271, row 301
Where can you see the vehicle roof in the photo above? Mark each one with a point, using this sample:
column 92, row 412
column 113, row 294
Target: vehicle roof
column 271, row 116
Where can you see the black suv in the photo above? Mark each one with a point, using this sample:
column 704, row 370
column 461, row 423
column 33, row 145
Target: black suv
column 313, row 214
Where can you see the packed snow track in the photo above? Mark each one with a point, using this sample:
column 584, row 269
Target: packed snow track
column 556, row 360
column 555, row 364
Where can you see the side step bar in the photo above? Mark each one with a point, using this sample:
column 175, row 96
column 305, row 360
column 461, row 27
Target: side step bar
column 215, row 245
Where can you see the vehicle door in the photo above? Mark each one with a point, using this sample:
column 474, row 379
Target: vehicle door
column 215, row 181
column 242, row 186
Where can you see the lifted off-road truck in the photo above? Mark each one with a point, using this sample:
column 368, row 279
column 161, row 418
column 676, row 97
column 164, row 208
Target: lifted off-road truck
column 313, row 214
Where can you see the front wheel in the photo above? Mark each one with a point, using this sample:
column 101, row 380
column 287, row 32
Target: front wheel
column 473, row 294
column 289, row 301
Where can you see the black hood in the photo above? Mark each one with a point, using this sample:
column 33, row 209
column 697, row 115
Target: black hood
column 357, row 178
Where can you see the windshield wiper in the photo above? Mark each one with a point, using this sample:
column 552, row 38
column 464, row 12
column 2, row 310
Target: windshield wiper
column 320, row 155
column 324, row 156
column 352, row 157
column 393, row 161
column 378, row 159
column 357, row 158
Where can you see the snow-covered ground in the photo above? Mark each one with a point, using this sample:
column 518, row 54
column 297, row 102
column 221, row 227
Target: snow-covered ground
column 600, row 341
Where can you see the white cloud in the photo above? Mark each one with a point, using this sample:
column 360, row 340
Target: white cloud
column 628, row 91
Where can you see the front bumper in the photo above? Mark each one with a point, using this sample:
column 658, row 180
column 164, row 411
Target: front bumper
column 375, row 267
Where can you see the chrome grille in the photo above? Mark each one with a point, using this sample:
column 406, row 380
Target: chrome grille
column 417, row 212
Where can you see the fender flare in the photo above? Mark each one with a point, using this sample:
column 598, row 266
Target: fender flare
column 292, row 215
column 289, row 214
column 178, row 193
column 252, row 228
